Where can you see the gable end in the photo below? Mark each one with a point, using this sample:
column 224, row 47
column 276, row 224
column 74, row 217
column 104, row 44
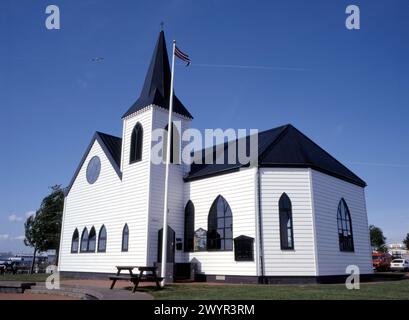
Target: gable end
column 107, row 144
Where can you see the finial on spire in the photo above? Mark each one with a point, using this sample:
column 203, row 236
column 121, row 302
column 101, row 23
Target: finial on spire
column 161, row 25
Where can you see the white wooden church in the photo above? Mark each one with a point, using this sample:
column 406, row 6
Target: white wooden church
column 299, row 214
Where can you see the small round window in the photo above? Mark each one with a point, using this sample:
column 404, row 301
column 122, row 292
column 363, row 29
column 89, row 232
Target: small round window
column 93, row 169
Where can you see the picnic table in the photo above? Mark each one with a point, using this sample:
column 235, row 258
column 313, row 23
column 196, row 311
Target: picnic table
column 146, row 274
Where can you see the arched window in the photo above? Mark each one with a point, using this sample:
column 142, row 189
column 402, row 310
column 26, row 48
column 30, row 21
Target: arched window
column 92, row 240
column 174, row 144
column 84, row 240
column 220, row 226
column 345, row 236
column 286, row 223
column 125, row 238
column 136, row 144
column 102, row 239
column 189, row 226
column 75, row 241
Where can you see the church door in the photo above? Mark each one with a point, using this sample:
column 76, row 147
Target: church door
column 171, row 246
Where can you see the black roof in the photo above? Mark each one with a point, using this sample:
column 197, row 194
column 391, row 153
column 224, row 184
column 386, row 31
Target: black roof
column 111, row 146
column 284, row 146
column 156, row 89
column 114, row 146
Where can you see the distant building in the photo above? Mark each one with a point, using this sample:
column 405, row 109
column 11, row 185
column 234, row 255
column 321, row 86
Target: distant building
column 41, row 258
column 398, row 250
column 5, row 255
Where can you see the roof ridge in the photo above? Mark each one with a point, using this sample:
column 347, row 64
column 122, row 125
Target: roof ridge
column 107, row 134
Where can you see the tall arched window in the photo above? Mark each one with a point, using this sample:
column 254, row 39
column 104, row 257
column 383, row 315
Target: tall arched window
column 220, row 226
column 84, row 240
column 345, row 236
column 102, row 239
column 92, row 240
column 125, row 238
column 286, row 223
column 189, row 226
column 174, row 144
column 75, row 241
column 136, row 144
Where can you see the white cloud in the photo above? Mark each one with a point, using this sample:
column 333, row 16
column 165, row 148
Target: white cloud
column 18, row 238
column 30, row 213
column 15, row 218
column 4, row 236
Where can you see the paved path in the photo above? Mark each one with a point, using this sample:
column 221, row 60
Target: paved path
column 120, row 292
column 77, row 289
column 29, row 296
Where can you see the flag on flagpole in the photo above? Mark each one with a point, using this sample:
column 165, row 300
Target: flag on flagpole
column 182, row 56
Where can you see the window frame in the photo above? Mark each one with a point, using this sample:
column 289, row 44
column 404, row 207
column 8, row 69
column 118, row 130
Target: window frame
column 345, row 245
column 94, row 232
column 284, row 245
column 189, row 227
column 103, row 228
column 172, row 144
column 135, row 153
column 213, row 225
column 125, row 228
column 77, row 238
column 84, row 231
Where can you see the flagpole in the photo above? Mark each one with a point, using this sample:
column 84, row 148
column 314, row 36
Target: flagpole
column 168, row 151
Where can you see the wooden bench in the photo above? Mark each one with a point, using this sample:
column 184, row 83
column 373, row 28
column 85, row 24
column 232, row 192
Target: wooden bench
column 135, row 278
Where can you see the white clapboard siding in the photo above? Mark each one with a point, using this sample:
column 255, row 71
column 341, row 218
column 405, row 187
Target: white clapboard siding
column 238, row 188
column 296, row 184
column 327, row 192
column 157, row 188
column 93, row 205
column 111, row 202
column 135, row 183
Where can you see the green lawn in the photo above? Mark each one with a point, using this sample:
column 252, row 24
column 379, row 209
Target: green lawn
column 397, row 289
column 38, row 277
column 385, row 290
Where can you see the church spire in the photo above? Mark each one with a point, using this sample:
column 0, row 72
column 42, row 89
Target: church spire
column 156, row 89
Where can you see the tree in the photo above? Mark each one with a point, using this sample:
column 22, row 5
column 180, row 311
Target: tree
column 406, row 241
column 377, row 238
column 42, row 231
column 32, row 237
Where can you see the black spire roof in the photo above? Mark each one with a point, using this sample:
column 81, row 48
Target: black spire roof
column 156, row 89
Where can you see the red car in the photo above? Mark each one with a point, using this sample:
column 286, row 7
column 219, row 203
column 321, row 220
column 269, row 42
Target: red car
column 381, row 261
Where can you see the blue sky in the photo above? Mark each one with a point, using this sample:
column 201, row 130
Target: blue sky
column 255, row 65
